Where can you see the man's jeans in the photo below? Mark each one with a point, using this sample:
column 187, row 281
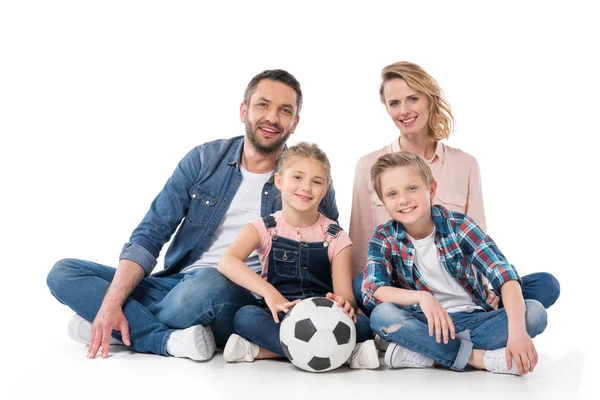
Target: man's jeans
column 258, row 326
column 476, row 330
column 540, row 286
column 158, row 305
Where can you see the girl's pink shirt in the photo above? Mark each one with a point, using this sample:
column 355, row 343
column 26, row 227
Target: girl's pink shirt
column 314, row 233
column 458, row 189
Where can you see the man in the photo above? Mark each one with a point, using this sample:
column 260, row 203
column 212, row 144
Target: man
column 187, row 309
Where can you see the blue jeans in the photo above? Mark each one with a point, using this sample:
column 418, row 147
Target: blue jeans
column 476, row 330
column 256, row 324
column 158, row 305
column 540, row 286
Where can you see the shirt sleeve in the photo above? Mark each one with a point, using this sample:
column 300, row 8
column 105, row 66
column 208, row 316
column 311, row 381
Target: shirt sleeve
column 474, row 206
column 483, row 254
column 361, row 218
column 338, row 244
column 166, row 213
column 378, row 270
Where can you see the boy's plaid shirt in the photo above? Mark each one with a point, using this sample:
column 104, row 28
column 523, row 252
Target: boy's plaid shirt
column 464, row 249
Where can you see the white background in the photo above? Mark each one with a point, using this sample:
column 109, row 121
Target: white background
column 100, row 100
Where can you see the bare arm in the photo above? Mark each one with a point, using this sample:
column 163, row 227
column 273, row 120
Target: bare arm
column 110, row 316
column 519, row 346
column 341, row 275
column 233, row 267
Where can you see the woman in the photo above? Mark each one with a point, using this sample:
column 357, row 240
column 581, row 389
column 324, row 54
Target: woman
column 414, row 101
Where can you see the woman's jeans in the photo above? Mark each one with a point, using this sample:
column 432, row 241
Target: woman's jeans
column 540, row 286
column 256, row 324
column 476, row 330
column 158, row 305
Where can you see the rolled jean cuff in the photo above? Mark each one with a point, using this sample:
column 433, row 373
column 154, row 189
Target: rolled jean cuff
column 464, row 353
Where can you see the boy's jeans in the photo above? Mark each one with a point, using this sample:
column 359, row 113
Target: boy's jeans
column 257, row 325
column 158, row 305
column 540, row 286
column 478, row 330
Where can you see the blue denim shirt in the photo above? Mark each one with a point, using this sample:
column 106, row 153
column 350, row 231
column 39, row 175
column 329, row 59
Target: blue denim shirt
column 199, row 193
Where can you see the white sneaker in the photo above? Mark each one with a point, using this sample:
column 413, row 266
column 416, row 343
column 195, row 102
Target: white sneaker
column 364, row 355
column 495, row 361
column 380, row 343
column 397, row 356
column 239, row 349
column 80, row 330
column 196, row 342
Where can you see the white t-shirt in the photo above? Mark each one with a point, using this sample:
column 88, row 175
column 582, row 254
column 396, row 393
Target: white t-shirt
column 451, row 295
column 244, row 208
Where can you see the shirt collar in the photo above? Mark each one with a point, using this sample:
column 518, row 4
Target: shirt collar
column 235, row 155
column 440, row 151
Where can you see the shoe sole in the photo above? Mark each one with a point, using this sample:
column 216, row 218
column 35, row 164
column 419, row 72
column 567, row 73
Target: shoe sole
column 389, row 354
column 80, row 332
column 205, row 342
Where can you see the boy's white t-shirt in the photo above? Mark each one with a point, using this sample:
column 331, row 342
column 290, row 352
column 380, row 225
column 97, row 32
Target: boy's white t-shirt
column 451, row 295
column 244, row 208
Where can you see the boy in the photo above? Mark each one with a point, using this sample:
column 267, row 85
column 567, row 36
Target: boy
column 424, row 277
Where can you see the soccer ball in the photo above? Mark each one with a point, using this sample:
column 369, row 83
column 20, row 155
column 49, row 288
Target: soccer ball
column 316, row 335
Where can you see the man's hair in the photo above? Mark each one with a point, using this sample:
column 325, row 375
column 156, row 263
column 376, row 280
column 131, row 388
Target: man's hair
column 277, row 75
column 441, row 121
column 400, row 159
column 304, row 150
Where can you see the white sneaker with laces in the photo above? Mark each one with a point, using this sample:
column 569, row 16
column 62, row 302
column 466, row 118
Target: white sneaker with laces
column 495, row 361
column 364, row 355
column 239, row 349
column 80, row 330
column 196, row 342
column 397, row 356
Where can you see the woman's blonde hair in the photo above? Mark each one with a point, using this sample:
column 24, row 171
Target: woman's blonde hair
column 441, row 121
column 400, row 159
column 304, row 150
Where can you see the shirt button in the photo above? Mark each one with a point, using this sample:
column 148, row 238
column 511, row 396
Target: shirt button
column 207, row 202
column 266, row 193
column 194, row 196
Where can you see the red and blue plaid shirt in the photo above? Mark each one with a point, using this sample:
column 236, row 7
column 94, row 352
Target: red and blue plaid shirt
column 464, row 249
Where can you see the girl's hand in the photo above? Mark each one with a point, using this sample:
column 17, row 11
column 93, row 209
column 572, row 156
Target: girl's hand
column 276, row 303
column 343, row 303
column 520, row 348
column 437, row 317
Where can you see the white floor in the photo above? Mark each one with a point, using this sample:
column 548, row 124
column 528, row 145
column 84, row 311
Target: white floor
column 52, row 366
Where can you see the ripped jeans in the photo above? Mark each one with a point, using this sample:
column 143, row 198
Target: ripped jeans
column 475, row 330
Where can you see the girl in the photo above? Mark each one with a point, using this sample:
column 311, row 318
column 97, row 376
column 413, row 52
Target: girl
column 303, row 254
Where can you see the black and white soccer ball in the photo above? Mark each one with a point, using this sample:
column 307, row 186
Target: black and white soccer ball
column 316, row 335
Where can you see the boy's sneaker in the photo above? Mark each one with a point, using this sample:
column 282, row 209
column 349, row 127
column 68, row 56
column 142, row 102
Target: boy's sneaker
column 196, row 342
column 239, row 349
column 380, row 343
column 80, row 330
column 397, row 356
column 495, row 361
column 364, row 355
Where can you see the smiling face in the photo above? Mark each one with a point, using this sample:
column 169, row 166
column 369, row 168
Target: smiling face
column 408, row 108
column 303, row 184
column 271, row 115
column 407, row 199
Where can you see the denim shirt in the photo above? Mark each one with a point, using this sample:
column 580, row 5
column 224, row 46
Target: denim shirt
column 199, row 193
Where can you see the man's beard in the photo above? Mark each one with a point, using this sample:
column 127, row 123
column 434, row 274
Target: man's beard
column 251, row 134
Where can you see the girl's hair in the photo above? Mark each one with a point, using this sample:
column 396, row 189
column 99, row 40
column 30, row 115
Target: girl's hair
column 441, row 121
column 400, row 159
column 306, row 150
